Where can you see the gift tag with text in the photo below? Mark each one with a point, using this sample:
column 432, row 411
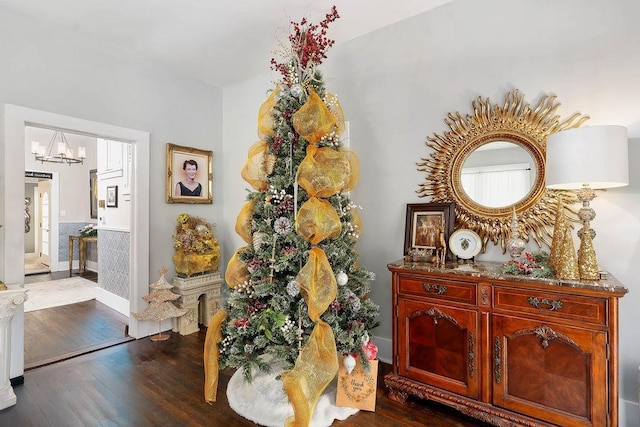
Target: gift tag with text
column 357, row 389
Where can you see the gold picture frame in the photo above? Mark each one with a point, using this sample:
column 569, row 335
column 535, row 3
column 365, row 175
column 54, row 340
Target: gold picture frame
column 93, row 193
column 181, row 188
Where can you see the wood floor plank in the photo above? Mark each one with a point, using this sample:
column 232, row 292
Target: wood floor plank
column 145, row 383
column 61, row 332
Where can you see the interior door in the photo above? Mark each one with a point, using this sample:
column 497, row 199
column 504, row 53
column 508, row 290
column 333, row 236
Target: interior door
column 43, row 239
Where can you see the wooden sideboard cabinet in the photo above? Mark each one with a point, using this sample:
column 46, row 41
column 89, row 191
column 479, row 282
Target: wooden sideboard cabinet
column 508, row 350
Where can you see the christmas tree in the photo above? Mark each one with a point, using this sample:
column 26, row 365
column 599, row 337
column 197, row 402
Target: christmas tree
column 160, row 305
column 298, row 294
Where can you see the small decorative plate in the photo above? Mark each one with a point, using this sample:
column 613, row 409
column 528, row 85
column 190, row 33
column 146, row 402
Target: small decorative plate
column 465, row 244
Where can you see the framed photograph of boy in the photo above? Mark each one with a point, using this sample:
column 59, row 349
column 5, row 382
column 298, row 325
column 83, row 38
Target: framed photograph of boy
column 189, row 175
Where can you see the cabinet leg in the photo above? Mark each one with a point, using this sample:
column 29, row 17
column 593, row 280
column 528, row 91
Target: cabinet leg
column 394, row 393
column 397, row 395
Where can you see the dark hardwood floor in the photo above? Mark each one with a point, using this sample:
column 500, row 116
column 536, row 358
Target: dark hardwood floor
column 81, row 370
column 59, row 333
column 146, row 383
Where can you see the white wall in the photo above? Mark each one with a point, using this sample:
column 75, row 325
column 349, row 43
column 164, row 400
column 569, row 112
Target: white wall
column 396, row 86
column 112, row 174
column 51, row 69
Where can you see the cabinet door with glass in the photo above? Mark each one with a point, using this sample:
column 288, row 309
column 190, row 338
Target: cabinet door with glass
column 437, row 345
column 550, row 371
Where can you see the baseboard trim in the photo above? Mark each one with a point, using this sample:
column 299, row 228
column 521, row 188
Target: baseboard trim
column 113, row 301
column 16, row 381
column 629, row 413
column 385, row 352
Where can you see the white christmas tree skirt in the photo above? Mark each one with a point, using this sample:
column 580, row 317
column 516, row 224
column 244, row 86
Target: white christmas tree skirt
column 265, row 402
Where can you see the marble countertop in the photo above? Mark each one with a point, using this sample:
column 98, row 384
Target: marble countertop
column 492, row 270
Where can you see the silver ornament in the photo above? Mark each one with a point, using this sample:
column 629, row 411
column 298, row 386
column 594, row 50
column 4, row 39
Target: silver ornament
column 349, row 363
column 342, row 278
column 296, row 90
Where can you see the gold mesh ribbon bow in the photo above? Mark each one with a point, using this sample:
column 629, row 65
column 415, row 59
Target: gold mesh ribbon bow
column 211, row 354
column 354, row 169
column 317, row 220
column 323, row 172
column 265, row 115
column 243, row 221
column 315, row 367
column 237, row 272
column 317, row 283
column 313, row 120
column 254, row 170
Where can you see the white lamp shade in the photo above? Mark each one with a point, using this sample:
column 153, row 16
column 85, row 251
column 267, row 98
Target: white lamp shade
column 593, row 155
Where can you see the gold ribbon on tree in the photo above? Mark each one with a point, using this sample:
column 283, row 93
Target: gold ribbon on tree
column 354, row 169
column 237, row 272
column 315, row 367
column 313, row 120
column 254, row 170
column 323, row 172
column 317, row 283
column 336, row 110
column 317, row 220
column 211, row 354
column 243, row 221
column 265, row 115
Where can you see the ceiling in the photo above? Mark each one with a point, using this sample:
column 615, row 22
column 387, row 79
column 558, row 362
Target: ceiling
column 218, row 42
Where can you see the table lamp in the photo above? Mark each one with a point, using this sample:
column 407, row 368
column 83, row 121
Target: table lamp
column 587, row 159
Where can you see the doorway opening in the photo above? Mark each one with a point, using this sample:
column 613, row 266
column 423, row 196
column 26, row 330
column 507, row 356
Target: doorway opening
column 40, row 192
column 12, row 262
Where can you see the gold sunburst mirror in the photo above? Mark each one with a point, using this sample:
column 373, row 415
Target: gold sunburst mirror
column 514, row 134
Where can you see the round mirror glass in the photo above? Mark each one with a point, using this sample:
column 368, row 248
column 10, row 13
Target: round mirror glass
column 498, row 174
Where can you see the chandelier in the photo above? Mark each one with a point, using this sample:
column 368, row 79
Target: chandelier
column 58, row 150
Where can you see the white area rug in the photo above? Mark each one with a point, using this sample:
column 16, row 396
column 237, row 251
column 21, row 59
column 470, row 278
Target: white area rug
column 32, row 265
column 30, row 269
column 58, row 292
column 264, row 401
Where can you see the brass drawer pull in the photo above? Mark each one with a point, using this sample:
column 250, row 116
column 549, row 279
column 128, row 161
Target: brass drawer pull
column 497, row 360
column 471, row 356
column 554, row 305
column 434, row 289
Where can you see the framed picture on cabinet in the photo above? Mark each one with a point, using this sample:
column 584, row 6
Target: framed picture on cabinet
column 426, row 225
column 189, row 175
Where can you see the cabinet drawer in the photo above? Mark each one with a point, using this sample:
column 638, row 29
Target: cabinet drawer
column 565, row 306
column 445, row 290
